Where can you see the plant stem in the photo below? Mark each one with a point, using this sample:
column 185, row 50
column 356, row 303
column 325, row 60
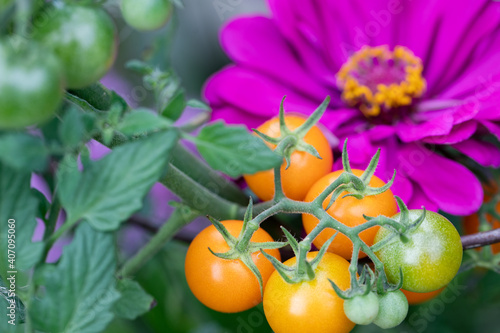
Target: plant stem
column 55, row 236
column 53, row 215
column 193, row 167
column 197, row 196
column 179, row 218
column 481, row 239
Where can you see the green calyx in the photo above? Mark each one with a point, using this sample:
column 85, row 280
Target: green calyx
column 359, row 187
column 303, row 269
column 359, row 287
column 291, row 141
column 241, row 248
column 401, row 229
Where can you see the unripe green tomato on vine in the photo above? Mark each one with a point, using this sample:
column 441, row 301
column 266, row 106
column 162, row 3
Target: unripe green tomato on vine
column 429, row 259
column 31, row 84
column 146, row 15
column 84, row 39
column 393, row 308
column 362, row 309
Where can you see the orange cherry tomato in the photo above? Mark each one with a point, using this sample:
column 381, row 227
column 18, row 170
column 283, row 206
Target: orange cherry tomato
column 471, row 222
column 418, row 298
column 226, row 285
column 311, row 306
column 349, row 211
column 304, row 169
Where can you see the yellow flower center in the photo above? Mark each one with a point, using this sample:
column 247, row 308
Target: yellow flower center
column 376, row 79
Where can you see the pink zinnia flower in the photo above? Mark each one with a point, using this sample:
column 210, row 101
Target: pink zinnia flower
column 420, row 79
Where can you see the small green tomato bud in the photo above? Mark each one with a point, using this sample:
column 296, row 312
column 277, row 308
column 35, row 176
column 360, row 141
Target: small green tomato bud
column 362, row 309
column 393, row 309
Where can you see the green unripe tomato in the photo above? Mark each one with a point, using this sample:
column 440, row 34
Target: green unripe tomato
column 393, row 309
column 362, row 309
column 146, row 15
column 84, row 38
column 31, row 84
column 430, row 258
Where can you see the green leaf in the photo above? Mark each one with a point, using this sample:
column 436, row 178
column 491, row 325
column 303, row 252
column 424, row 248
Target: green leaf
column 11, row 322
column 23, row 151
column 5, row 326
column 43, row 203
column 134, row 300
column 139, row 67
column 79, row 292
column 72, row 130
column 140, row 122
column 175, row 105
column 109, row 190
column 17, row 203
column 194, row 103
column 234, row 151
column 96, row 95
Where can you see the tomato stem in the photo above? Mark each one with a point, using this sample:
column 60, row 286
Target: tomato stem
column 197, row 196
column 179, row 218
column 204, row 175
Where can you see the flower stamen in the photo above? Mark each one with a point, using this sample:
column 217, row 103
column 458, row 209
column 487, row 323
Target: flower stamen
column 376, row 79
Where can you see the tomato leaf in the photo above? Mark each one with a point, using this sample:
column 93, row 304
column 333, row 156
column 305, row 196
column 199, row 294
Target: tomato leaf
column 72, row 129
column 96, row 95
column 109, row 190
column 23, row 151
column 20, row 311
column 197, row 104
column 79, row 292
column 18, row 203
column 175, row 105
column 134, row 301
column 234, row 151
column 142, row 121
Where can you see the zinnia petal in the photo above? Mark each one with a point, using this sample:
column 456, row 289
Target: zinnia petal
column 458, row 133
column 484, row 153
column 256, row 43
column 253, row 92
column 419, row 200
column 450, row 185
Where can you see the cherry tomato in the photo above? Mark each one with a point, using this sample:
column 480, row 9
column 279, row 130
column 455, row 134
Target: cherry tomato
column 146, row 15
column 393, row 309
column 311, row 306
column 362, row 309
column 471, row 222
column 304, row 169
column 349, row 211
column 31, row 84
column 418, row 298
column 84, row 38
column 226, row 285
column 430, row 258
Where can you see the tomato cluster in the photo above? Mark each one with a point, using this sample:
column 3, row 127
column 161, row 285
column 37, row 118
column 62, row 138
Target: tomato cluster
column 72, row 48
column 426, row 252
column 75, row 47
